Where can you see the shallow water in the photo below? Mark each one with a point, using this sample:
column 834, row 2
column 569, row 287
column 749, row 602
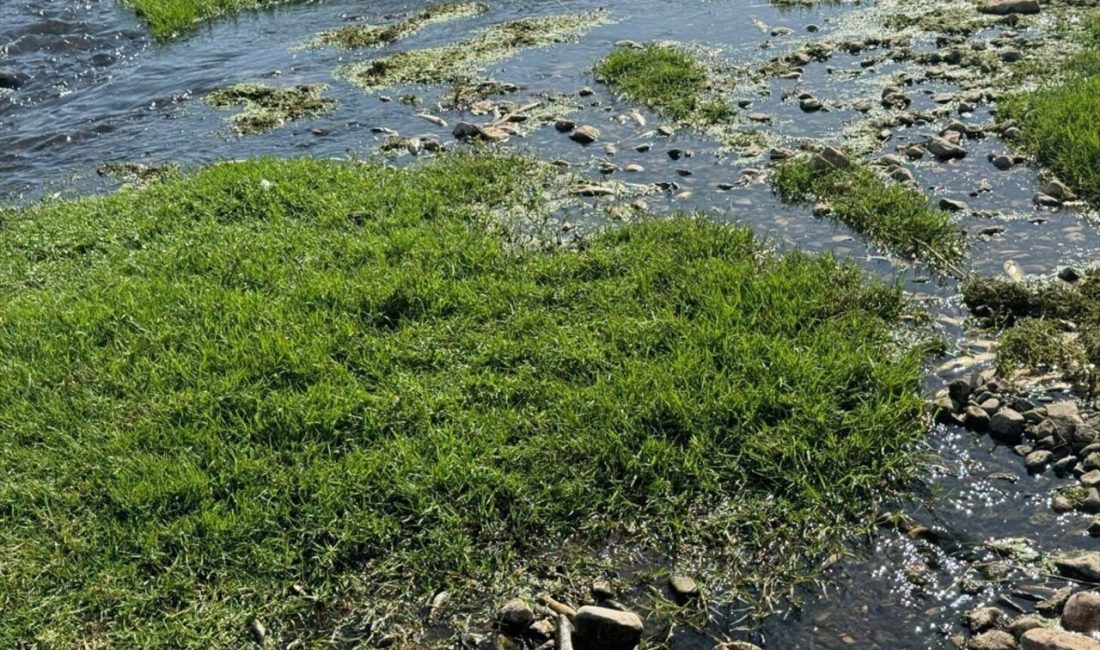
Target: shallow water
column 98, row 89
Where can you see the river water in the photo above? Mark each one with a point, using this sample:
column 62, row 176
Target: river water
column 93, row 87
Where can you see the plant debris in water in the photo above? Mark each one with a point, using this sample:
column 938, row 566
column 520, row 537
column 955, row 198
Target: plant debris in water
column 459, row 62
column 359, row 36
column 898, row 217
column 334, row 376
column 267, row 107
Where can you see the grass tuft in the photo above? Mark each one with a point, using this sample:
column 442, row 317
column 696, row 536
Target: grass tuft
column 1058, row 121
column 300, row 390
column 896, row 217
column 663, row 78
column 169, row 18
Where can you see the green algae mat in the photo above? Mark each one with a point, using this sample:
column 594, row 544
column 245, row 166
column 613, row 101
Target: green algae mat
column 312, row 394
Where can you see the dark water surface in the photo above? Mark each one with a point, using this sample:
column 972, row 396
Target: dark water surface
column 95, row 88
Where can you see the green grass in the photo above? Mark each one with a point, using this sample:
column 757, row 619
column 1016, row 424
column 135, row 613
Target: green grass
column 1050, row 324
column 169, row 18
column 663, row 78
column 897, row 217
column 1058, row 120
column 1034, row 343
column 314, row 392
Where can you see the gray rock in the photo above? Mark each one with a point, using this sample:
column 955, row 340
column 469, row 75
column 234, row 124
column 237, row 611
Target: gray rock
column 13, row 80
column 1003, row 162
column 585, row 134
column 993, row 640
column 1037, row 461
column 1022, row 624
column 1042, row 638
column 1059, row 190
column 1007, row 426
column 515, row 615
column 810, row 104
column 608, row 628
column 465, row 130
column 1005, row 7
column 1069, row 274
column 1052, row 606
column 944, row 149
column 976, row 418
column 737, row 645
column 831, row 158
column 951, row 205
column 1082, row 613
column 683, row 586
column 1091, row 478
column 1091, row 504
column 1094, row 527
column 1083, row 565
column 984, row 618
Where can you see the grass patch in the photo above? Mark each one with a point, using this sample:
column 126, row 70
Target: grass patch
column 663, row 78
column 353, row 37
column 896, row 217
column 1057, row 121
column 1036, row 343
column 1046, row 324
column 459, row 62
column 267, row 107
column 169, row 18
column 303, row 390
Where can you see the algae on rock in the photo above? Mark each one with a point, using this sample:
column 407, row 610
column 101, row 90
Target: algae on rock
column 267, row 107
column 357, row 36
column 459, row 62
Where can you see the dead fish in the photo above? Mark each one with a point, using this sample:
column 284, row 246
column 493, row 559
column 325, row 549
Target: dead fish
column 592, row 190
column 637, row 116
column 965, row 362
column 760, row 24
column 1014, row 272
column 434, row 119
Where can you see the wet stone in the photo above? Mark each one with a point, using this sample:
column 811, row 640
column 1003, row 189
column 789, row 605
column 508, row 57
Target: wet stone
column 1007, row 426
column 1053, row 606
column 585, row 134
column 951, row 205
column 976, row 418
column 1083, row 566
column 993, row 640
column 984, row 618
column 1022, row 624
column 608, row 628
column 1006, row 7
column 515, row 615
column 1049, row 639
column 1082, row 613
column 564, row 126
column 1091, row 504
column 683, row 586
column 1037, row 461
